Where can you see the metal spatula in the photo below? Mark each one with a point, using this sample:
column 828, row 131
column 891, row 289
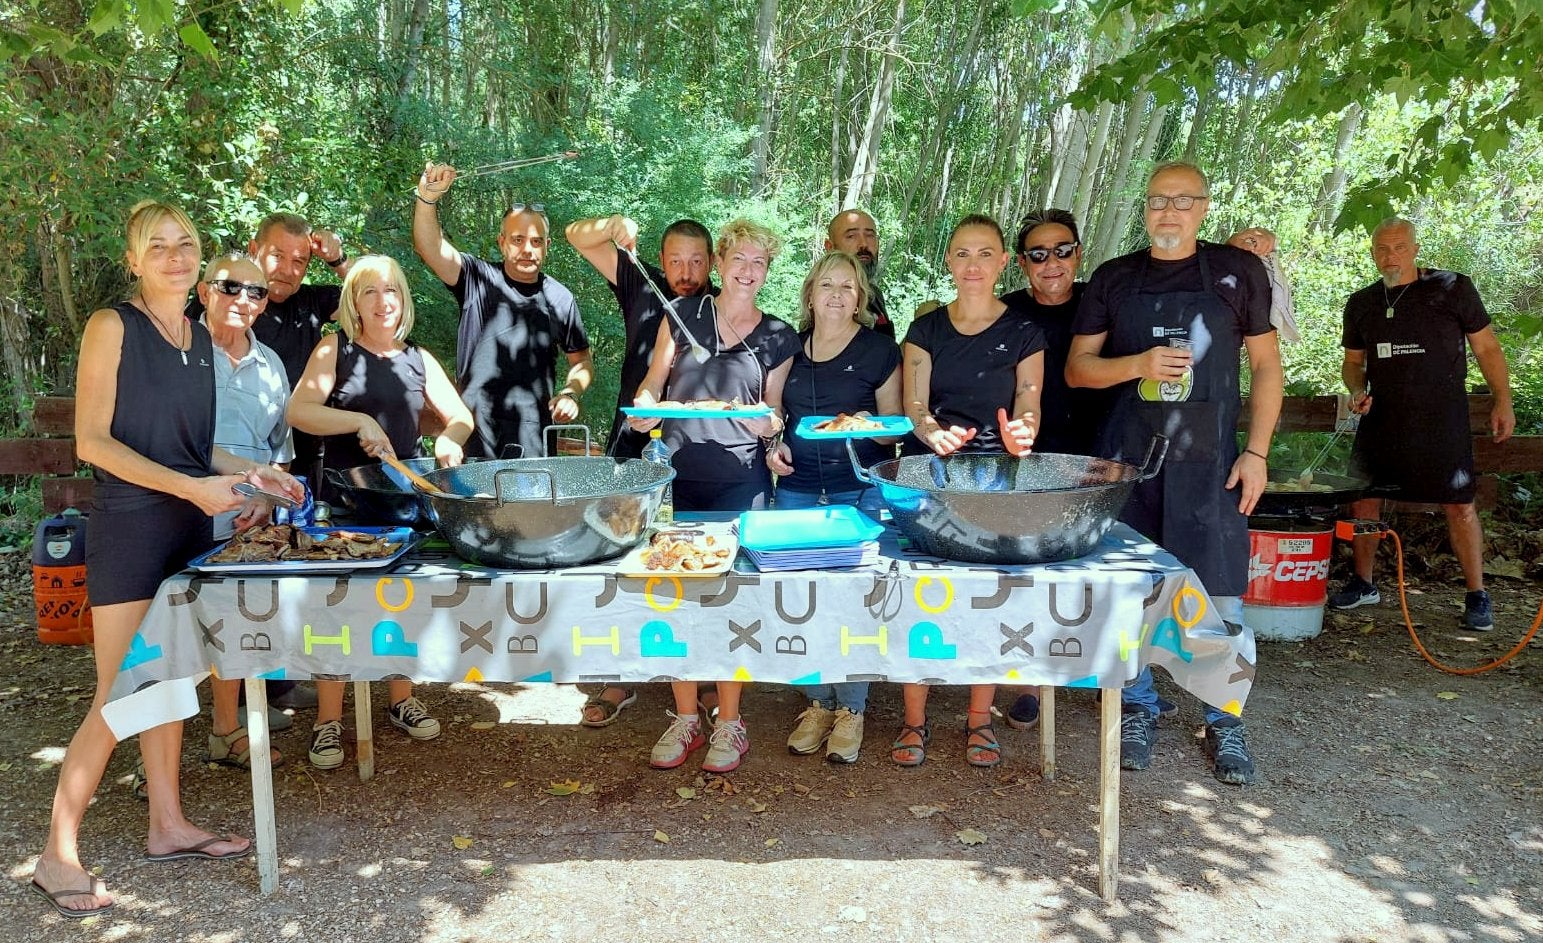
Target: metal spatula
column 698, row 352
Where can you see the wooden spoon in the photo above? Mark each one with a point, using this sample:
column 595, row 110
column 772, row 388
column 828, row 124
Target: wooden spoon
column 418, row 481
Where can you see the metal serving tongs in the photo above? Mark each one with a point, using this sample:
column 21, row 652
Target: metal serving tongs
column 698, row 352
column 514, row 163
column 1341, row 426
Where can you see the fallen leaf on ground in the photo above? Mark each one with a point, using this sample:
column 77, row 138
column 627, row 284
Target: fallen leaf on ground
column 926, row 811
column 507, row 784
column 483, row 725
column 461, row 842
column 1448, row 695
column 565, row 788
column 685, row 792
column 773, row 842
column 757, row 806
column 971, row 836
column 661, row 837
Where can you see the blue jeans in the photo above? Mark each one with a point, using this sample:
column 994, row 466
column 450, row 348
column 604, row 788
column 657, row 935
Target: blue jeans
column 1143, row 694
column 852, row 695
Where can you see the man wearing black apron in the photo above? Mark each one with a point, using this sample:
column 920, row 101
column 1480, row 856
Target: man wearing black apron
column 1405, row 337
column 1164, row 327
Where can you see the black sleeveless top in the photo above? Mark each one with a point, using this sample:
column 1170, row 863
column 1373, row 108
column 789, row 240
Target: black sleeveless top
column 164, row 409
column 389, row 390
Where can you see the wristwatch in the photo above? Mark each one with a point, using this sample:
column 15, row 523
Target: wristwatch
column 334, row 263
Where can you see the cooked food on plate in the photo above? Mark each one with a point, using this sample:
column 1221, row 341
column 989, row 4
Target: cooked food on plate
column 279, row 542
column 677, row 550
column 704, row 405
column 844, row 423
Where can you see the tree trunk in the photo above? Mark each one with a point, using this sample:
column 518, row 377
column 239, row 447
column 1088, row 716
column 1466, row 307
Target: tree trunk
column 934, row 135
column 1197, row 123
column 412, row 53
column 1093, row 161
column 766, row 44
column 1331, row 193
column 1112, row 234
column 1113, row 196
column 865, row 164
column 14, row 338
column 837, row 112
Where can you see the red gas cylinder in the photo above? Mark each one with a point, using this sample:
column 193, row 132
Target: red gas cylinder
column 1288, row 577
column 59, row 580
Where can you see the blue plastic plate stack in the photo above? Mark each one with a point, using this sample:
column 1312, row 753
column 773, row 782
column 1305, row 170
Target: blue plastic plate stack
column 819, row 538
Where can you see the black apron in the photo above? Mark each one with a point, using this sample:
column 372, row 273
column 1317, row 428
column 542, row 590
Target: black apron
column 1186, row 507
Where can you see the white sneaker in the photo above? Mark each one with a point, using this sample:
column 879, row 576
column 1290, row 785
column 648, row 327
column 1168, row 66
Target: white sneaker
column 813, row 727
column 410, row 717
column 846, row 737
column 728, row 746
column 682, row 736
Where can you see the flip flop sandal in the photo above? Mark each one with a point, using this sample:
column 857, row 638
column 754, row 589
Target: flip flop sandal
column 53, row 898
column 911, row 754
column 221, row 750
column 140, row 786
column 197, row 851
column 611, row 710
column 973, row 751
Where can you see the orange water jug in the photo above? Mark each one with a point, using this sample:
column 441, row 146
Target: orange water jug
column 59, row 580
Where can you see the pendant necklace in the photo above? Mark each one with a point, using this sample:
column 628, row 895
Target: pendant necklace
column 1394, row 301
column 183, row 341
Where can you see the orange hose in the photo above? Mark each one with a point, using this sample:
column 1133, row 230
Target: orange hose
column 1403, row 601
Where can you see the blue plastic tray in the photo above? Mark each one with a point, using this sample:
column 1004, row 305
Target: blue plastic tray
column 839, row 525
column 679, row 412
column 892, row 425
column 404, row 537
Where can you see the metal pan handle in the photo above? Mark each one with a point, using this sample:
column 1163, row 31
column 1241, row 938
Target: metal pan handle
column 1157, row 450
column 857, row 466
column 498, row 491
column 335, row 478
column 559, row 427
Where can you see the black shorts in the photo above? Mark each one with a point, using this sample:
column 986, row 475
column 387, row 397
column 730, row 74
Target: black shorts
column 129, row 553
column 1447, row 478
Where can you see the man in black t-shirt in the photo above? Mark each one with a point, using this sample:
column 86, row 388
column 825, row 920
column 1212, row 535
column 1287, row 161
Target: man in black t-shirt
column 685, row 261
column 855, row 232
column 1163, row 327
column 1406, row 366
column 514, row 317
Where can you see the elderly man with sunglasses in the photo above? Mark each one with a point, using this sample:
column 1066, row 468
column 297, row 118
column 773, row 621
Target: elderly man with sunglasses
column 1162, row 328
column 514, row 317
column 251, row 392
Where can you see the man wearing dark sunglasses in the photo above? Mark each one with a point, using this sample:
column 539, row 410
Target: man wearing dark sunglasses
column 1162, row 328
column 514, row 318
column 251, row 392
column 610, row 244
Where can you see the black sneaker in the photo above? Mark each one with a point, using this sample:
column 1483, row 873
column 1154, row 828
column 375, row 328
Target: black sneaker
column 1138, row 738
column 1024, row 713
column 1228, row 750
column 1355, row 592
column 1478, row 613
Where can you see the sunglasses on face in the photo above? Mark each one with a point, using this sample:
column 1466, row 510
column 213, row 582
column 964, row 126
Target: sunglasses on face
column 1063, row 251
column 226, row 286
column 1157, row 201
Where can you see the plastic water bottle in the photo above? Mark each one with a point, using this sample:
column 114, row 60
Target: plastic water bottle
column 659, row 453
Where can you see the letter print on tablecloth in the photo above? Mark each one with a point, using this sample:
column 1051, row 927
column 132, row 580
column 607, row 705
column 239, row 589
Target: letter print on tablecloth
column 657, row 640
column 745, row 635
column 611, row 640
column 476, row 636
column 541, row 606
column 210, row 633
column 383, row 589
column 782, row 611
column 248, row 614
column 1017, row 638
column 389, row 639
column 926, row 641
column 312, row 639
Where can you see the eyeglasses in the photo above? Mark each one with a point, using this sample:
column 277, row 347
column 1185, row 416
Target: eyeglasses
column 1156, row 201
column 533, row 207
column 1063, row 251
column 226, row 286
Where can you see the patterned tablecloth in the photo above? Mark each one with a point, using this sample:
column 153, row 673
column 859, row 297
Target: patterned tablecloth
column 1090, row 623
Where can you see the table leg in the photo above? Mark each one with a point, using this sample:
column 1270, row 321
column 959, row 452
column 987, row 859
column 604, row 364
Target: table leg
column 1109, row 796
column 363, row 732
column 1047, row 732
column 262, row 785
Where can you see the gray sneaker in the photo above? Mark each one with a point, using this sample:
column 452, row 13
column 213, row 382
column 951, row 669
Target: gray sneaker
column 327, row 745
column 1225, row 743
column 1138, row 738
column 846, row 737
column 726, row 747
column 1478, row 612
column 1356, row 592
column 813, row 728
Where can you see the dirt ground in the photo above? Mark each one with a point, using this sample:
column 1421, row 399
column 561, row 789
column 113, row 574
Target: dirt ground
column 1395, row 803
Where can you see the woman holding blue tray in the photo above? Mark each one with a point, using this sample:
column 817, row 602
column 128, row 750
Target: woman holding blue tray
column 719, row 349
column 842, row 366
